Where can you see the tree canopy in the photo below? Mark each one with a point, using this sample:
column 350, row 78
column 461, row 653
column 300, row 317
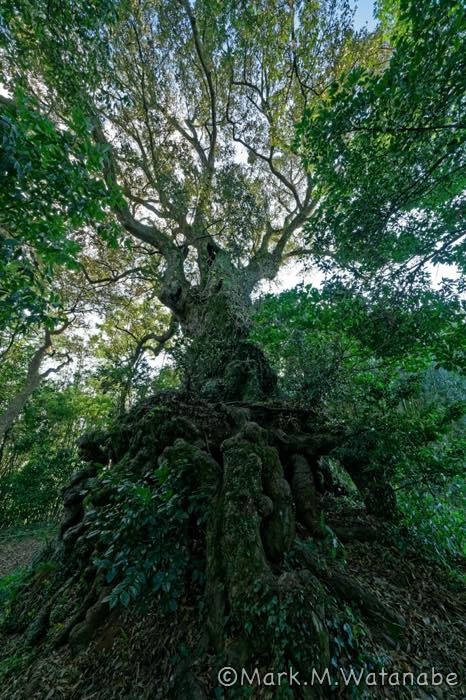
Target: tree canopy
column 256, row 473
column 195, row 109
column 387, row 149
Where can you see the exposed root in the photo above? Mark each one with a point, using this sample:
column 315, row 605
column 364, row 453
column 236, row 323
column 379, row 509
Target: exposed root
column 236, row 494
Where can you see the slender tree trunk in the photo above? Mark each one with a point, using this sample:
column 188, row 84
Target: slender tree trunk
column 33, row 378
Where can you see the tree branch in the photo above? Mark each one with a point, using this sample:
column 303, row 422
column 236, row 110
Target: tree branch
column 148, row 234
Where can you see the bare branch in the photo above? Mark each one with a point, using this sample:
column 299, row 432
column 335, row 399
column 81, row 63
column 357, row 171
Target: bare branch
column 148, row 234
column 53, row 370
column 209, row 81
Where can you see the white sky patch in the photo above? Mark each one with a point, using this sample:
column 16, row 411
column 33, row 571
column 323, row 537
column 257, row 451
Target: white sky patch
column 289, row 276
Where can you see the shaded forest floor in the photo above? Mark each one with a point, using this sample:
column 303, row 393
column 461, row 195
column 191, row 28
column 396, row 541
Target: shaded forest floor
column 19, row 546
column 137, row 653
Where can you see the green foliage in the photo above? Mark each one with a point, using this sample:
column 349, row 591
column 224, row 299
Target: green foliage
column 386, row 148
column 321, row 340
column 40, row 453
column 167, row 378
column 128, row 347
column 10, row 588
column 143, row 531
column 372, row 367
column 50, row 186
column 375, row 184
column 85, row 55
column 12, row 664
column 348, row 639
column 436, row 519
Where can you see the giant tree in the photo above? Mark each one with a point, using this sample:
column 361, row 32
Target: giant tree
column 192, row 107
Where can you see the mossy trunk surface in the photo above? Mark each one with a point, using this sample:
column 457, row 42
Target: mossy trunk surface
column 206, row 499
column 220, row 363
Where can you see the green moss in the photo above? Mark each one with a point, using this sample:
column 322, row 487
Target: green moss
column 278, row 529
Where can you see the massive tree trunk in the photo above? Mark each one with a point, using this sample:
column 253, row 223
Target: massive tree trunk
column 209, row 496
column 220, row 363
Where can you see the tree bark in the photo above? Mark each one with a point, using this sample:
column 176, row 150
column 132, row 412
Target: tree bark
column 33, row 378
column 220, row 362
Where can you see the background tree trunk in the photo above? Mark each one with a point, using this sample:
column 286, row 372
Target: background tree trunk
column 33, row 378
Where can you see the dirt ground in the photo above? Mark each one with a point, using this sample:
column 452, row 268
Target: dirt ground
column 17, row 548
